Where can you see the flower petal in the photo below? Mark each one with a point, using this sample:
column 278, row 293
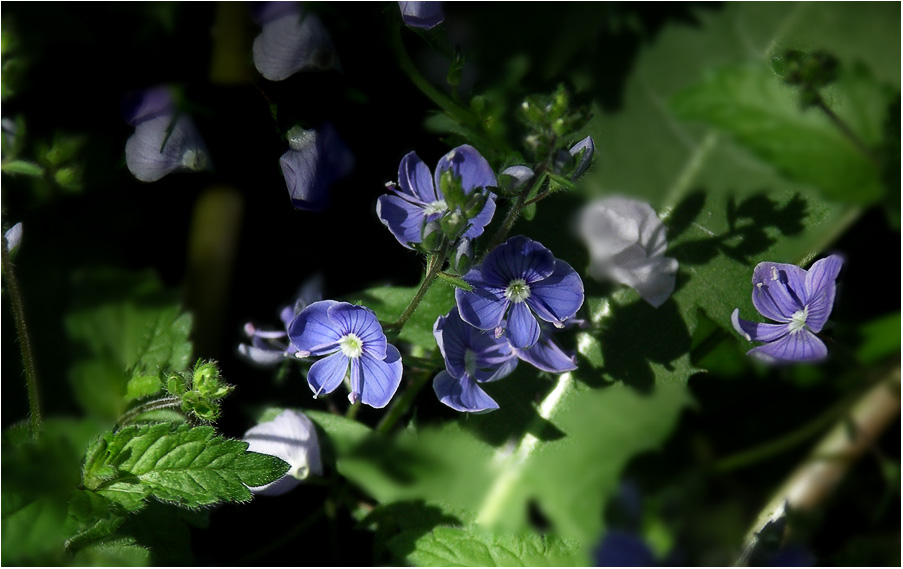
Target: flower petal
column 518, row 258
column 455, row 338
column 468, row 164
column 380, row 378
column 479, row 222
column 462, row 394
column 547, row 355
column 312, row 331
column 403, row 218
column 653, row 278
column 261, row 356
column 415, row 180
column 361, row 322
column 821, row 289
column 757, row 332
column 147, row 104
column 292, row 437
column 327, row 374
column 587, row 147
column 519, row 175
column 423, row 15
column 183, row 150
column 778, row 290
column 522, row 329
column 293, row 43
column 802, row 346
column 558, row 297
column 484, row 306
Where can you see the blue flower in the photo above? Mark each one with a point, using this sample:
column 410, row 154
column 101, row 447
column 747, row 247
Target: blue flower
column 545, row 354
column 521, row 279
column 799, row 301
column 290, row 42
column 164, row 140
column 355, row 347
column 420, row 199
column 471, row 357
column 423, row 15
column 270, row 347
column 13, row 238
column 292, row 437
column 316, row 159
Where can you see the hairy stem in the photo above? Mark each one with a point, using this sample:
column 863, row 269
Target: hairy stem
column 433, row 266
column 155, row 405
column 516, row 208
column 28, row 361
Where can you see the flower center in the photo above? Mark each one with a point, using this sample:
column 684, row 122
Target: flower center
column 470, row 362
column 351, row 346
column 518, row 291
column 438, row 206
column 798, row 320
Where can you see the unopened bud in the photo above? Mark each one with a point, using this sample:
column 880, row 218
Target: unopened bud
column 475, row 204
column 431, row 236
column 463, row 258
column 453, row 224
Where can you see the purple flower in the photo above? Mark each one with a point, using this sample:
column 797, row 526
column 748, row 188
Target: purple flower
column 316, row 160
column 270, row 347
column 420, row 199
column 545, row 354
column 290, row 42
column 471, row 357
column 292, row 437
column 164, row 140
column 355, row 347
column 582, row 151
column 521, row 279
column 799, row 301
column 13, row 238
column 424, row 15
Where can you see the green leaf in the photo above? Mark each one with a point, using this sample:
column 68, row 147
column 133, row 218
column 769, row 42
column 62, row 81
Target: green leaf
column 176, row 463
column 122, row 552
column 476, row 547
column 455, row 281
column 22, row 167
column 753, row 105
column 389, row 302
column 880, row 338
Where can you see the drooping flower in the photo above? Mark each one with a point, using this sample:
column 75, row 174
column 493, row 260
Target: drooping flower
column 626, row 242
column 523, row 280
column 13, row 237
column 316, row 159
column 799, row 301
column 355, row 347
column 291, row 42
column 164, row 141
column 419, row 197
column 424, row 15
column 471, row 357
column 270, row 347
column 292, row 437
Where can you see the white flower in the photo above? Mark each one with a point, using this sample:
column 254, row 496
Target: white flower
column 626, row 242
column 292, row 437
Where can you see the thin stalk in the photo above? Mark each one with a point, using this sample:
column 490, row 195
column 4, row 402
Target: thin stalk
column 351, row 413
column 155, row 405
column 28, row 361
column 846, row 130
column 402, row 403
column 433, row 266
column 516, row 208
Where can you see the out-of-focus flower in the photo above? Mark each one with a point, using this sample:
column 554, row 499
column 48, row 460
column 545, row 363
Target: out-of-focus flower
column 164, row 140
column 354, row 345
column 316, row 159
column 13, row 237
column 423, row 15
column 514, row 177
column 626, row 242
column 292, row 437
column 419, row 197
column 799, row 301
column 291, row 41
column 270, row 347
column 471, row 356
column 523, row 280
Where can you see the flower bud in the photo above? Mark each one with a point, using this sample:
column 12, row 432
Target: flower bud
column 475, row 204
column 463, row 259
column 431, row 236
column 450, row 186
column 453, row 224
column 292, row 437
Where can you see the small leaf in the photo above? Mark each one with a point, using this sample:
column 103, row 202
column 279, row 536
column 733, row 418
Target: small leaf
column 455, row 281
column 22, row 167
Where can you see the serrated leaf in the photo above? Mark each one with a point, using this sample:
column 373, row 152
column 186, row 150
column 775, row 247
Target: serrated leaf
column 177, row 463
column 389, row 302
column 476, row 547
column 22, row 167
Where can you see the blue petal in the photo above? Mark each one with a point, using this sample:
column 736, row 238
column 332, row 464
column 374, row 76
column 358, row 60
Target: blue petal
column 415, row 180
column 802, row 346
column 484, row 306
column 403, row 218
column 547, row 356
column 183, row 151
column 380, row 378
column 327, row 374
column 778, row 290
column 462, row 394
column 455, row 337
column 757, row 332
column 821, row 289
column 423, row 15
column 316, row 160
column 558, row 297
column 290, row 44
column 265, row 12
column 479, row 222
column 468, row 165
column 312, row 330
column 361, row 322
column 518, row 258
column 588, row 147
column 147, row 104
column 522, row 329
column 261, row 356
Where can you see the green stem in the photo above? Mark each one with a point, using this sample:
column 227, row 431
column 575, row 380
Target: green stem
column 28, row 361
column 402, row 403
column 846, row 130
column 516, row 208
column 353, row 409
column 155, row 405
column 433, row 266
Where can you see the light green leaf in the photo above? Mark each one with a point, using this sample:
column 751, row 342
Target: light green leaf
column 389, row 302
column 455, row 281
column 123, row 552
column 476, row 547
column 22, row 167
column 176, row 463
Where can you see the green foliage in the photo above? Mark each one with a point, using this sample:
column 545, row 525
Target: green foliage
column 175, row 463
column 388, row 302
column 22, row 167
column 474, row 546
column 199, row 391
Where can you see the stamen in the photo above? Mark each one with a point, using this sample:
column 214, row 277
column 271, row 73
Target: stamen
column 518, row 291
